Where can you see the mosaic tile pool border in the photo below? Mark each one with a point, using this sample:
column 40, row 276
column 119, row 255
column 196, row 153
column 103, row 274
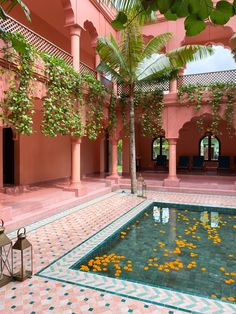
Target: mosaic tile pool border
column 61, row 270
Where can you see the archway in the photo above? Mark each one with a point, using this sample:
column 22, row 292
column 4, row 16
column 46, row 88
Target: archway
column 201, row 142
column 8, row 157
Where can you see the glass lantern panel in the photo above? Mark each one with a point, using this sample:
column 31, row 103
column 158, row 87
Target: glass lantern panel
column 22, row 263
column 5, row 261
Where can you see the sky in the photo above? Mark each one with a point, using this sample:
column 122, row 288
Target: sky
column 221, row 60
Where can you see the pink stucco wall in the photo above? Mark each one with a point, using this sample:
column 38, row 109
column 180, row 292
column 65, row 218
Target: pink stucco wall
column 40, row 158
column 43, row 158
column 1, row 161
column 90, row 156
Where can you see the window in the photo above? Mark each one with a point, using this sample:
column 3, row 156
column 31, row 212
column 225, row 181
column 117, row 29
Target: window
column 160, row 146
column 210, row 147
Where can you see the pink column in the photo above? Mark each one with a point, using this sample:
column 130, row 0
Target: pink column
column 75, row 33
column 172, row 179
column 173, row 86
column 75, row 162
column 114, row 158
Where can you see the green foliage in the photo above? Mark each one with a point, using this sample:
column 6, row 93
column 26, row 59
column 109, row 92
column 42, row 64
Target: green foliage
column 216, row 93
column 148, row 109
column 94, row 105
column 9, row 5
column 63, row 103
column 17, row 108
column 112, row 113
column 196, row 13
column 61, row 106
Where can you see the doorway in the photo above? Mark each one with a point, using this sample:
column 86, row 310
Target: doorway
column 8, row 157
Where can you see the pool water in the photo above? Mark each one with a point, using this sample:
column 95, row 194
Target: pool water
column 189, row 249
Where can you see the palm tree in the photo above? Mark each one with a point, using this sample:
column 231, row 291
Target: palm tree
column 131, row 61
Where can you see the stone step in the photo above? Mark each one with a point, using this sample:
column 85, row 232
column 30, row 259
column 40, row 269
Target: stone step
column 41, row 212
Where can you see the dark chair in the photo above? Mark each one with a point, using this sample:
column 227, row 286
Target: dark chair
column 161, row 161
column 223, row 163
column 183, row 163
column 198, row 163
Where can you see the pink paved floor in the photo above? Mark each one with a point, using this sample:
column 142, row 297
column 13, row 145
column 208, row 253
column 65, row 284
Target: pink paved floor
column 39, row 295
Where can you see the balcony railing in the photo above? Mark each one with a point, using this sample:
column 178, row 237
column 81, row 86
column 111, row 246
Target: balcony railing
column 146, row 87
column 39, row 42
column 84, row 68
column 228, row 76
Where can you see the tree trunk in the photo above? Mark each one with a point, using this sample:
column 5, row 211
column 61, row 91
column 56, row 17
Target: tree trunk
column 132, row 143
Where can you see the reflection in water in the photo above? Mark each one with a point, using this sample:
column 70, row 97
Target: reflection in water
column 204, row 216
column 213, row 217
column 161, row 215
column 156, row 214
column 165, row 215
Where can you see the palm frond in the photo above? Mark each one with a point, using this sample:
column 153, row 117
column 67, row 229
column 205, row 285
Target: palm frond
column 149, row 66
column 10, row 4
column 122, row 5
column 181, row 56
column 156, row 44
column 104, row 67
column 110, row 53
column 132, row 46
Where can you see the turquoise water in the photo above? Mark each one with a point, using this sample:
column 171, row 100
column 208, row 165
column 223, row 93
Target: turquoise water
column 189, row 249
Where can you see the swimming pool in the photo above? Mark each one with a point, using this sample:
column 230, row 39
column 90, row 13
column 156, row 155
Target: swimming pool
column 185, row 248
column 178, row 261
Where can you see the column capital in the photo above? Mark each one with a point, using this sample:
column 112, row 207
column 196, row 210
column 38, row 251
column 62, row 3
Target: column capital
column 76, row 140
column 75, row 30
column 172, row 141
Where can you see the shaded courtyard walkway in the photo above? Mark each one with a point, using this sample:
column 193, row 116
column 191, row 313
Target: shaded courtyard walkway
column 36, row 202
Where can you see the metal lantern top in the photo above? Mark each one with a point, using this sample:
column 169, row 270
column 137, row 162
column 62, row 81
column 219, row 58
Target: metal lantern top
column 140, row 178
column 21, row 243
column 4, row 240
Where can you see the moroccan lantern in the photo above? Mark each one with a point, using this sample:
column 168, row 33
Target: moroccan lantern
column 139, row 185
column 5, row 256
column 144, row 189
column 22, row 257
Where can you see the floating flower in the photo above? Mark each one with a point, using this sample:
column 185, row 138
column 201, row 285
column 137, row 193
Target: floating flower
column 232, row 299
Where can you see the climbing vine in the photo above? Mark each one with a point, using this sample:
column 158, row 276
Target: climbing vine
column 63, row 109
column 94, row 109
column 217, row 92
column 17, row 106
column 148, row 108
column 112, row 113
column 61, row 106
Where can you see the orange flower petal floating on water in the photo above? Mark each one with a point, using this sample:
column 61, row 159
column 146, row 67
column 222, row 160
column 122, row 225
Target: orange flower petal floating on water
column 232, row 299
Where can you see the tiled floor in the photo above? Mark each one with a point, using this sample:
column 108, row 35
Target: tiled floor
column 54, row 236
